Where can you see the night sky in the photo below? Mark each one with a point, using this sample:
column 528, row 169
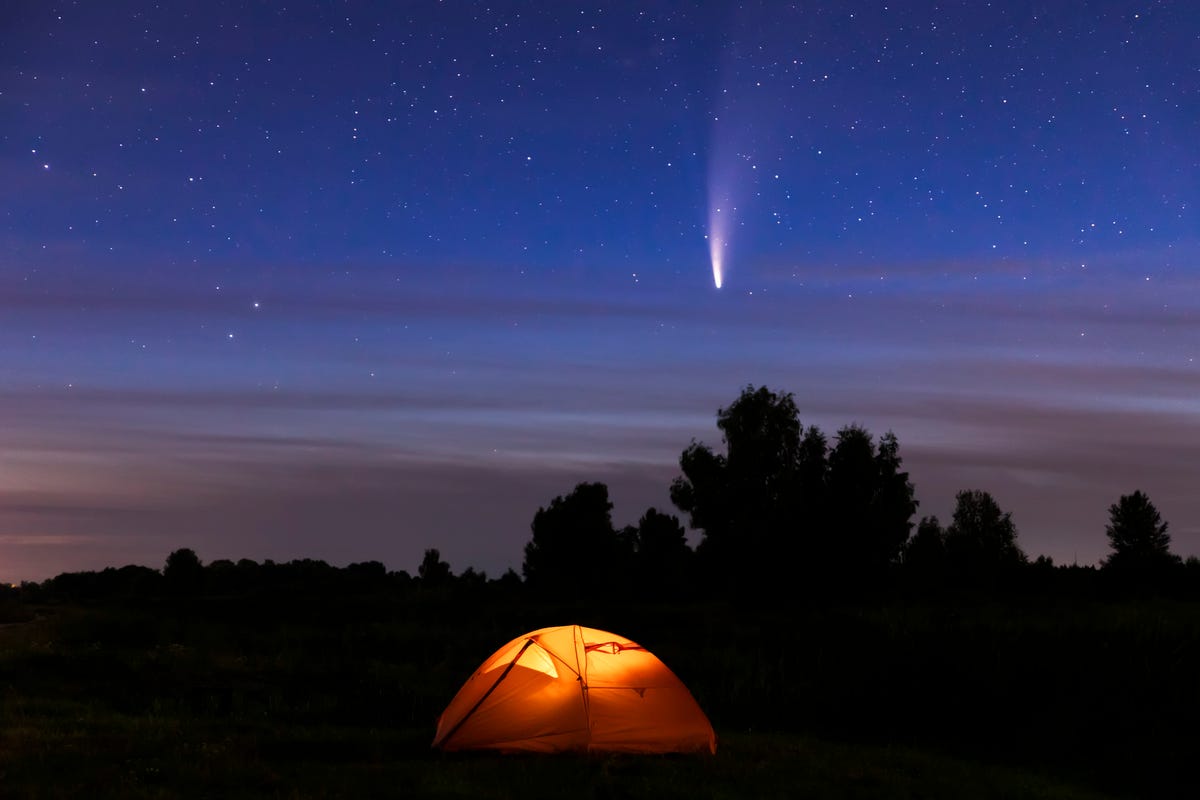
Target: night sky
column 350, row 280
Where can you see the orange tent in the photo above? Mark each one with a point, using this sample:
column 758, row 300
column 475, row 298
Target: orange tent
column 574, row 688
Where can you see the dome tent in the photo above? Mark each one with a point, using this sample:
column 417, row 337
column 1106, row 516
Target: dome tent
column 572, row 688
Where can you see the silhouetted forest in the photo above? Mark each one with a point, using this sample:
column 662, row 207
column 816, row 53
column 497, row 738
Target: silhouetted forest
column 785, row 514
column 816, row 602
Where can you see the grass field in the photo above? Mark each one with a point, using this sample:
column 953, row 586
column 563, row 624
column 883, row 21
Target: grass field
column 217, row 698
column 69, row 750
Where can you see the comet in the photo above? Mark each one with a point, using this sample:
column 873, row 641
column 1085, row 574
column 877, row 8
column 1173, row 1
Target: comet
column 731, row 173
column 714, row 249
column 722, row 210
column 716, row 252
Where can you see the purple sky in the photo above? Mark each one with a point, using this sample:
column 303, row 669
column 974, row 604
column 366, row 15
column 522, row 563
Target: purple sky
column 350, row 285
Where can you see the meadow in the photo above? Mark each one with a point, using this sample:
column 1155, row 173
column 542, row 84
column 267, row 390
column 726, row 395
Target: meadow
column 300, row 693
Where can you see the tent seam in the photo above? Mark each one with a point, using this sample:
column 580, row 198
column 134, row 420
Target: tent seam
column 486, row 694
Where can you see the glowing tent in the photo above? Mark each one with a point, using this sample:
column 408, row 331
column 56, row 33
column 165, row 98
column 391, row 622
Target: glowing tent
column 574, row 688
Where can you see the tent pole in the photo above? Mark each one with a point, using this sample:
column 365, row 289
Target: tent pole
column 576, row 637
column 486, row 694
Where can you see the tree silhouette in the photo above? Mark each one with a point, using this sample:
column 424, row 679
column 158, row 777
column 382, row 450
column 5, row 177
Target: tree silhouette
column 432, row 570
column 574, row 549
column 925, row 553
column 871, row 504
column 814, row 474
column 1138, row 535
column 779, row 511
column 367, row 574
column 663, row 558
column 747, row 502
column 183, row 572
column 852, row 480
column 893, row 504
column 981, row 539
column 703, row 493
column 472, row 580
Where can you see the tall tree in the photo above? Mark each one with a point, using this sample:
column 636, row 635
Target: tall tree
column 981, row 539
column 183, row 572
column 813, row 463
column 779, row 508
column 925, row 553
column 433, row 571
column 574, row 549
column 663, row 557
column 1138, row 535
column 893, row 504
column 871, row 505
column 851, row 483
column 747, row 500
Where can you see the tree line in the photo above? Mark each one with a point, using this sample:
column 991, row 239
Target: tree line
column 783, row 512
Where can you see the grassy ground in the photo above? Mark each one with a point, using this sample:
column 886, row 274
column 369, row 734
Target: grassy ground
column 66, row 753
column 311, row 700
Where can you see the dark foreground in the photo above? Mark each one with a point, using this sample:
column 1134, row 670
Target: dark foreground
column 317, row 697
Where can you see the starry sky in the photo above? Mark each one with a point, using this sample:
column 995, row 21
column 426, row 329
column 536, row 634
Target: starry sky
column 346, row 280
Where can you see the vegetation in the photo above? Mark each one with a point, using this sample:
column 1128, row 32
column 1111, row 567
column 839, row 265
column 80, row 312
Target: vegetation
column 836, row 654
column 768, row 508
column 1138, row 536
column 309, row 681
